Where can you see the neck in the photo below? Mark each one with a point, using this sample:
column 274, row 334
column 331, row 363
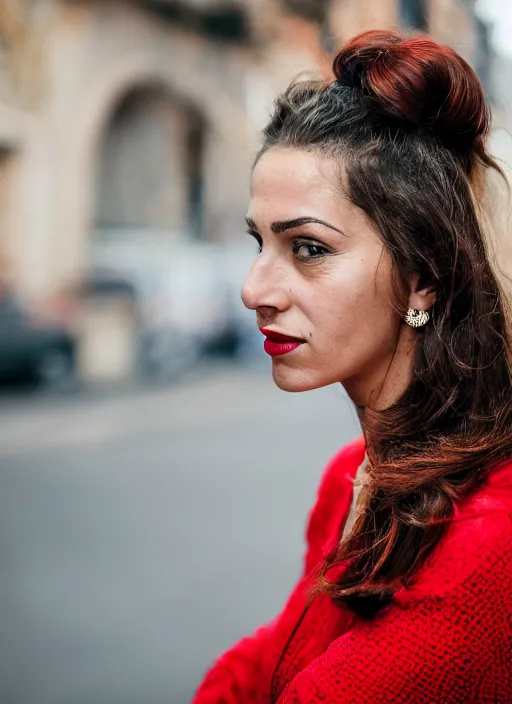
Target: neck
column 385, row 383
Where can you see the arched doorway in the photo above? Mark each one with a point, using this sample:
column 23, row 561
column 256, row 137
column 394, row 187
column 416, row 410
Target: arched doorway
column 148, row 180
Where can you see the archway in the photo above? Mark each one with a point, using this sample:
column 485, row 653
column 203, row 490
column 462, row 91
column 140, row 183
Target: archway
column 148, row 180
column 220, row 120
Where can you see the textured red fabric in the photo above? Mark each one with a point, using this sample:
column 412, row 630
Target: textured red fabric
column 446, row 640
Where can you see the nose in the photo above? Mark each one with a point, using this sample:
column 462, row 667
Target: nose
column 264, row 288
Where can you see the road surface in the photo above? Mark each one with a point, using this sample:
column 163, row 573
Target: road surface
column 142, row 533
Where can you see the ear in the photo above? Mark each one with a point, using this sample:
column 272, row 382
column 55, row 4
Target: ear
column 420, row 298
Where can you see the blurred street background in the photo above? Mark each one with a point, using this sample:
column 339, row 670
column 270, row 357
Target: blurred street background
column 154, row 484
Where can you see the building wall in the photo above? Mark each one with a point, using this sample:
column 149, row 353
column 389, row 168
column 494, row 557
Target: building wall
column 98, row 53
column 450, row 22
column 9, row 251
column 349, row 17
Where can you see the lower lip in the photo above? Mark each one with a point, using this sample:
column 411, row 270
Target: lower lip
column 277, row 349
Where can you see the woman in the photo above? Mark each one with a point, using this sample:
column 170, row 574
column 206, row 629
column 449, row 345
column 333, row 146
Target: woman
column 368, row 204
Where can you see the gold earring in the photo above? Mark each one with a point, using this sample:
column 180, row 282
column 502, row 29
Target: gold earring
column 417, row 318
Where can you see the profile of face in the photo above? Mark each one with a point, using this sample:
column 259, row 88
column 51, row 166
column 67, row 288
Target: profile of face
column 323, row 276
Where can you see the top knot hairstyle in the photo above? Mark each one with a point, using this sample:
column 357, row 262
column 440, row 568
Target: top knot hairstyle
column 421, row 83
column 406, row 121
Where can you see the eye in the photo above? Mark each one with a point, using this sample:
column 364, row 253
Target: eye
column 309, row 250
column 257, row 238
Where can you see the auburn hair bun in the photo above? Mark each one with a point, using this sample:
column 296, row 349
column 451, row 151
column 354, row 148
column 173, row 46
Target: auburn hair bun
column 420, row 82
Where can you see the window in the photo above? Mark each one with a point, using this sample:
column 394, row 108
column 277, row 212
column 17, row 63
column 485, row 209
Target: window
column 413, row 13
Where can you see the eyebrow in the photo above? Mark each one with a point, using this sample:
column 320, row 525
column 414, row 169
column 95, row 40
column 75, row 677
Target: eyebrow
column 283, row 225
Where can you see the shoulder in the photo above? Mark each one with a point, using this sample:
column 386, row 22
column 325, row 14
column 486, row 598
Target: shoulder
column 474, row 557
column 455, row 623
column 333, row 494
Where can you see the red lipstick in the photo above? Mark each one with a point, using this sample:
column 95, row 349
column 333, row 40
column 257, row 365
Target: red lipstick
column 278, row 344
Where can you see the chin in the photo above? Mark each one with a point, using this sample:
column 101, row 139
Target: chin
column 295, row 380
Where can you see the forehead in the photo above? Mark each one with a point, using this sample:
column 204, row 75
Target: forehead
column 287, row 180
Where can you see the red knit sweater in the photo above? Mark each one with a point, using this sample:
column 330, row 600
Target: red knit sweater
column 447, row 639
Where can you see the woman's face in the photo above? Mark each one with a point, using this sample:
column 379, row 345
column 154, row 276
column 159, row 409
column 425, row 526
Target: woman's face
column 322, row 276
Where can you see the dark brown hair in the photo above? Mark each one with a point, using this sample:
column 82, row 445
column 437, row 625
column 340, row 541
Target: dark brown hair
column 407, row 119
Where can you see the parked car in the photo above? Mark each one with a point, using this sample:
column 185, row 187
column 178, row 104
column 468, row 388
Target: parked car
column 33, row 348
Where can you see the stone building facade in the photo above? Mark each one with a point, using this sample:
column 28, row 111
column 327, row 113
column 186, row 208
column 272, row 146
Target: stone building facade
column 136, row 120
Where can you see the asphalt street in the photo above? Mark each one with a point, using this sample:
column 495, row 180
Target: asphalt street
column 141, row 533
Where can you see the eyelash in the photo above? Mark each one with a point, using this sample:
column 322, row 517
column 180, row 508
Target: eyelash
column 298, row 243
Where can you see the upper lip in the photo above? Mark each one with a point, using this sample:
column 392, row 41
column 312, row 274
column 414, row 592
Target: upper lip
column 279, row 336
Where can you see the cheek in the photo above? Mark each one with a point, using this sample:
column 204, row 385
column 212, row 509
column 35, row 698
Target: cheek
column 357, row 307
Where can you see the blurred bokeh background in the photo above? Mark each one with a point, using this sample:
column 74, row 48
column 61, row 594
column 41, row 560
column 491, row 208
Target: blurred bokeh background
column 154, row 485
